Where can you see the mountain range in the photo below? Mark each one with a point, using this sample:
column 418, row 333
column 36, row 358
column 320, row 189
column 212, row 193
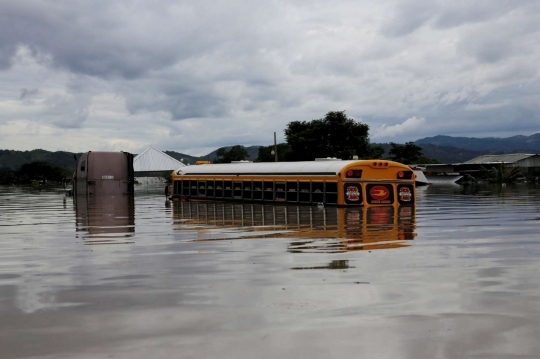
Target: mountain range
column 510, row 144
column 446, row 149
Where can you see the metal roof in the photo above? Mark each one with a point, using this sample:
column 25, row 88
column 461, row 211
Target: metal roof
column 152, row 160
column 307, row 167
column 506, row 158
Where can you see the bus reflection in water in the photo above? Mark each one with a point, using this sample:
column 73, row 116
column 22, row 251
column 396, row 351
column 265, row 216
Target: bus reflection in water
column 311, row 229
column 105, row 219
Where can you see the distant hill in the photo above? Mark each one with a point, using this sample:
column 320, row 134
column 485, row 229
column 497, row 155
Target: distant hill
column 449, row 154
column 182, row 157
column 253, row 152
column 444, row 154
column 13, row 160
column 446, row 149
column 488, row 145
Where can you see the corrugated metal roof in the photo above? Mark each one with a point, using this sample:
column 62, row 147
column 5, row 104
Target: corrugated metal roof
column 507, row 158
column 152, row 160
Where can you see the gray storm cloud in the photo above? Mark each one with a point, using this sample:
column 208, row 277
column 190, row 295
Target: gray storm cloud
column 194, row 75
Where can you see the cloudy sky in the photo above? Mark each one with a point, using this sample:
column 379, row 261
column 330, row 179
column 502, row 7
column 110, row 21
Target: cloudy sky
column 193, row 76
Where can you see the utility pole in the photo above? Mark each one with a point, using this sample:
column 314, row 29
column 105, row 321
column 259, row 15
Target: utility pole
column 275, row 148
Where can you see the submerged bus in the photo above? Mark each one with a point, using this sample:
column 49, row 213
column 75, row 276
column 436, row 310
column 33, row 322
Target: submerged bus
column 328, row 182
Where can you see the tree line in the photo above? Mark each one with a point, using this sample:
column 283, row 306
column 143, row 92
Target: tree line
column 37, row 172
column 335, row 135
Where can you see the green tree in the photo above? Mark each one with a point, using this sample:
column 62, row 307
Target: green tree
column 408, row 153
column 265, row 153
column 375, row 152
column 335, row 135
column 235, row 153
column 41, row 171
column 7, row 177
column 35, row 171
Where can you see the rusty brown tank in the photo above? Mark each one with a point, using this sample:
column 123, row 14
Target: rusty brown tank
column 104, row 173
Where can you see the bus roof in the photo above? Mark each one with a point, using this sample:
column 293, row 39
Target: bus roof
column 329, row 168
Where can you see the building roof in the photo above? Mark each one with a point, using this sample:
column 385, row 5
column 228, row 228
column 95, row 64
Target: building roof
column 506, row 158
column 152, row 160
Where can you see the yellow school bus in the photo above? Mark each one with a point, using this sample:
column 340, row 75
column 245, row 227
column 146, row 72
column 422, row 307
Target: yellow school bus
column 327, row 182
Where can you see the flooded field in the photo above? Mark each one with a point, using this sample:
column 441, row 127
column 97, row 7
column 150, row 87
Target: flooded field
column 457, row 276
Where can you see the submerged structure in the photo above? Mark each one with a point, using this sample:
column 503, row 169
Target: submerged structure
column 104, row 173
column 326, row 182
column 529, row 164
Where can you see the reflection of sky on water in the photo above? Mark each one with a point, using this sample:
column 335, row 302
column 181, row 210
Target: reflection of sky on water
column 466, row 286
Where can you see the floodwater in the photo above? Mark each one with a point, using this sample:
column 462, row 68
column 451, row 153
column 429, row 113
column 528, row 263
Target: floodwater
column 457, row 276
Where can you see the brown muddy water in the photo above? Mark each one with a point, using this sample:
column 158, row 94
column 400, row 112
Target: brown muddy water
column 456, row 277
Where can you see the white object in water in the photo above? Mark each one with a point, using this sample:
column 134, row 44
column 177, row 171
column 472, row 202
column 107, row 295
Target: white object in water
column 420, row 176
